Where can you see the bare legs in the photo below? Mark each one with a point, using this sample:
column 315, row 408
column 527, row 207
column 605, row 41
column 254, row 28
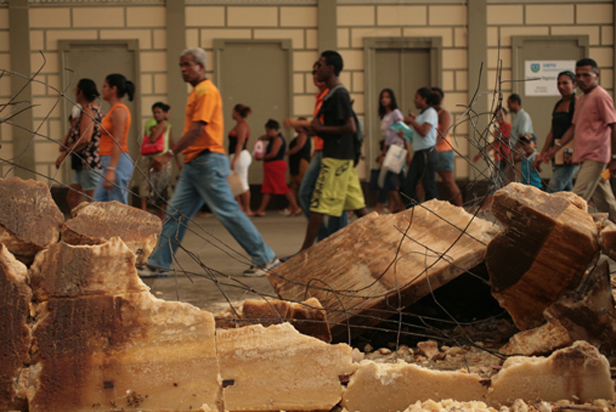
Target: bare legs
column 314, row 223
column 455, row 196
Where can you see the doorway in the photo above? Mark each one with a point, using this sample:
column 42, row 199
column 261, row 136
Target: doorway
column 403, row 65
column 95, row 60
column 256, row 74
column 539, row 105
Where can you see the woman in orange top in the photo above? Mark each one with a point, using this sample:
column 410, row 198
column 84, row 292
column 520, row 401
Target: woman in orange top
column 117, row 164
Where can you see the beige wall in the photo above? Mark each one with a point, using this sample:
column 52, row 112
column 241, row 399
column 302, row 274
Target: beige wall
column 297, row 22
column 6, row 134
column 50, row 24
column 422, row 19
column 596, row 20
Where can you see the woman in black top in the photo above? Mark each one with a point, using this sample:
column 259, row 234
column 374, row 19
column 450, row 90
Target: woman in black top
column 562, row 116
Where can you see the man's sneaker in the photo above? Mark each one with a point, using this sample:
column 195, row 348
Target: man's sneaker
column 256, row 271
column 151, row 272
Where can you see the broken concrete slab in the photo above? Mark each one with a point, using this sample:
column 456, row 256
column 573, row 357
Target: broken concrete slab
column 578, row 372
column 307, row 317
column 96, row 223
column 67, row 271
column 15, row 336
column 548, row 242
column 101, row 341
column 379, row 264
column 277, row 368
column 128, row 352
column 382, row 387
column 29, row 219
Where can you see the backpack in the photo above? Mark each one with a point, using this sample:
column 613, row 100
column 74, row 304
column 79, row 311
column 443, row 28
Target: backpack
column 358, row 137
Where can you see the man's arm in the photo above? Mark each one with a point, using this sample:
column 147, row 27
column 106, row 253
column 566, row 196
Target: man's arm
column 348, row 127
column 196, row 130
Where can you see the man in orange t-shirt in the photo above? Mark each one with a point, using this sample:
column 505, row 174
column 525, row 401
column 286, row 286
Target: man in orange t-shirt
column 204, row 177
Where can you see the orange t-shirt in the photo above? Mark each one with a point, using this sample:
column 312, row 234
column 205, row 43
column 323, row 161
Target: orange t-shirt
column 318, row 142
column 107, row 141
column 204, row 105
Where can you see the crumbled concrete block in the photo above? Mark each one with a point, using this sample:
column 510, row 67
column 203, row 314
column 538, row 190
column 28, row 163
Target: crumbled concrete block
column 96, row 223
column 15, row 336
column 277, row 368
column 541, row 340
column 380, row 387
column 29, row 218
column 578, row 372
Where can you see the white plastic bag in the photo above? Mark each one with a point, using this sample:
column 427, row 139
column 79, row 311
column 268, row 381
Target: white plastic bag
column 258, row 149
column 395, row 158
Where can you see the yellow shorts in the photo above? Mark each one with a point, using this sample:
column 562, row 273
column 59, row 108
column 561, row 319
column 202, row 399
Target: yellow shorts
column 337, row 189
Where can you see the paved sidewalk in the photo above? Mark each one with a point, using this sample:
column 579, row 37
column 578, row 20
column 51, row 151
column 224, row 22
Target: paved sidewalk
column 210, row 268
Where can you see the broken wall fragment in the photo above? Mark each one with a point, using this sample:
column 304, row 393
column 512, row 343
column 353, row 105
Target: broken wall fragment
column 15, row 336
column 95, row 223
column 384, row 262
column 29, row 218
column 123, row 349
column 548, row 242
column 277, row 368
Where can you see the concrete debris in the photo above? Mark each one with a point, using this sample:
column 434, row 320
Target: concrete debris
column 519, row 405
column 428, row 348
column 15, row 336
column 546, row 237
column 541, row 340
column 96, row 223
column 578, row 372
column 66, row 271
column 29, row 219
column 307, row 317
column 101, row 340
column 380, row 262
column 588, row 313
column 279, row 369
column 393, row 387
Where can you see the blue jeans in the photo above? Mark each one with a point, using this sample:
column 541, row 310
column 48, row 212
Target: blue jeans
column 305, row 196
column 204, row 180
column 123, row 172
column 562, row 178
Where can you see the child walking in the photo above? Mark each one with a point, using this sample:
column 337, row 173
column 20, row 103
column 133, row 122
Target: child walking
column 275, row 169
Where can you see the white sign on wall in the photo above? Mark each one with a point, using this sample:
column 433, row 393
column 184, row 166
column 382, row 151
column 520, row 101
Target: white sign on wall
column 545, row 72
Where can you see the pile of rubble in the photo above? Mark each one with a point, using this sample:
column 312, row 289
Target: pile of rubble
column 81, row 332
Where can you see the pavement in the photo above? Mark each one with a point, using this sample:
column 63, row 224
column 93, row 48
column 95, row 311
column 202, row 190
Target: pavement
column 209, row 265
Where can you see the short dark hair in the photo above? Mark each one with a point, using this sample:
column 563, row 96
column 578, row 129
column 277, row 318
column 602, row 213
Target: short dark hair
column 88, row 88
column 587, row 62
column 434, row 99
column 272, row 124
column 515, row 98
column 333, row 58
column 160, row 105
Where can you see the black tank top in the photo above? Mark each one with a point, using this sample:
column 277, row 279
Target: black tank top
column 233, row 142
column 281, row 152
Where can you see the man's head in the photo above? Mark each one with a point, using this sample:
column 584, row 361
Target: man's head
column 587, row 74
column 330, row 64
column 315, row 77
column 514, row 103
column 192, row 65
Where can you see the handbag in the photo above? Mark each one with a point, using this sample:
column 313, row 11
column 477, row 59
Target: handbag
column 148, row 148
column 395, row 158
column 235, row 184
